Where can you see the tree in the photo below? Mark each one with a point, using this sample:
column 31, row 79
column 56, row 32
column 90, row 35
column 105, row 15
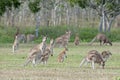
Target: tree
column 8, row 4
column 34, row 6
column 106, row 9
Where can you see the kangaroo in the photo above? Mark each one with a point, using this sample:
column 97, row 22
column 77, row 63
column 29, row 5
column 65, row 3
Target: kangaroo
column 36, row 51
column 30, row 37
column 66, row 38
column 62, row 55
column 48, row 51
column 51, row 46
column 102, row 38
column 63, row 40
column 15, row 44
column 22, row 38
column 93, row 57
column 106, row 55
column 76, row 41
column 44, row 58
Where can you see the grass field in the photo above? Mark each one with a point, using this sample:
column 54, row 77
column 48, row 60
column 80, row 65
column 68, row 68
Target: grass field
column 11, row 65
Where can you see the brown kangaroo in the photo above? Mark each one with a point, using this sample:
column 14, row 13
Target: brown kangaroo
column 76, row 41
column 62, row 55
column 63, row 39
column 102, row 38
column 15, row 44
column 36, row 51
column 94, row 56
column 45, row 56
column 30, row 37
column 106, row 55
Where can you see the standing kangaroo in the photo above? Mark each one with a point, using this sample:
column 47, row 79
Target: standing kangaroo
column 36, row 51
column 15, row 44
column 63, row 39
column 62, row 55
column 51, row 46
column 102, row 38
column 76, row 41
column 48, row 51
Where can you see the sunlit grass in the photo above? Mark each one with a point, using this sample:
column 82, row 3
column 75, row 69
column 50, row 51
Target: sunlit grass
column 11, row 65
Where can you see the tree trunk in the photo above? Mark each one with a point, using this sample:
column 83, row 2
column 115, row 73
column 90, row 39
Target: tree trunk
column 110, row 24
column 12, row 17
column 100, row 24
column 37, row 18
column 104, row 21
column 67, row 17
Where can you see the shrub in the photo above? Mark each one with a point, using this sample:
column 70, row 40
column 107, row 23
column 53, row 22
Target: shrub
column 86, row 34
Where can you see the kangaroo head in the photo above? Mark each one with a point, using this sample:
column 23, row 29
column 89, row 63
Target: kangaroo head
column 44, row 39
column 110, row 43
column 106, row 55
column 68, row 32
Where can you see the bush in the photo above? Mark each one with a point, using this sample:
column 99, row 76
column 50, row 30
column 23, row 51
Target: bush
column 86, row 34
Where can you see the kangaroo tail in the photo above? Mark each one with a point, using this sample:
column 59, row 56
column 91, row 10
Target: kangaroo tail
column 92, row 41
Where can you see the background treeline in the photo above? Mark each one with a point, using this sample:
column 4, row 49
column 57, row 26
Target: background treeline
column 48, row 17
column 86, row 34
column 51, row 13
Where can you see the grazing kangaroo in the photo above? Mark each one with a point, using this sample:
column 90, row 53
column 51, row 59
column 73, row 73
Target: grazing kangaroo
column 30, row 37
column 76, row 41
column 95, row 57
column 102, row 38
column 36, row 51
column 22, row 38
column 45, row 56
column 15, row 44
column 63, row 40
column 62, row 55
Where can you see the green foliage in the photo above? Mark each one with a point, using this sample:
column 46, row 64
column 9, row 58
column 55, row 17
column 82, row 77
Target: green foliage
column 86, row 34
column 34, row 6
column 8, row 4
column 81, row 3
column 113, row 5
column 6, row 34
column 109, row 5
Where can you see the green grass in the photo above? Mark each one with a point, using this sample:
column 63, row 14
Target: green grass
column 11, row 65
column 86, row 34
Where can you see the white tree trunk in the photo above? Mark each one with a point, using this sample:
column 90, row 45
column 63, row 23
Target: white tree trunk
column 104, row 21
column 37, row 18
